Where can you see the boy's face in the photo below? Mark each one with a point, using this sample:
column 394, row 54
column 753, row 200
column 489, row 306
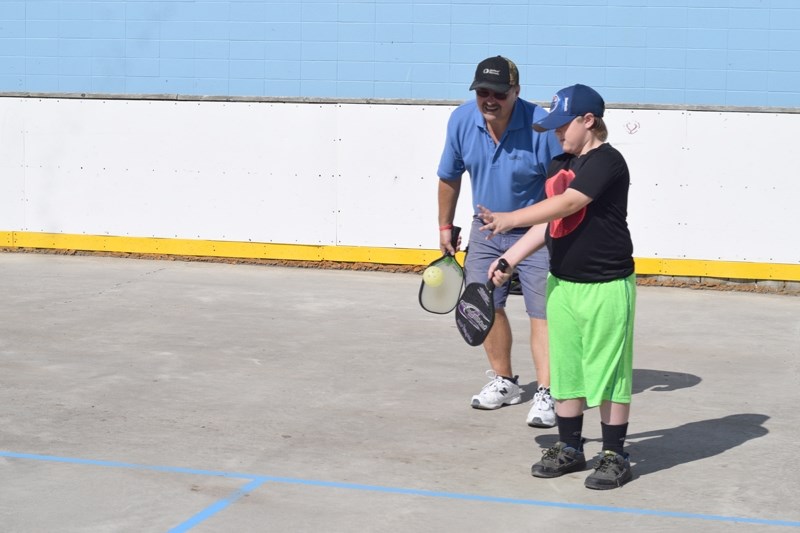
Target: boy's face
column 575, row 134
column 496, row 106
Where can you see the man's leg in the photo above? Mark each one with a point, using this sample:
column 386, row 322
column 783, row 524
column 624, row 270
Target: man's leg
column 498, row 345
column 542, row 413
column 533, row 276
column 503, row 388
column 540, row 349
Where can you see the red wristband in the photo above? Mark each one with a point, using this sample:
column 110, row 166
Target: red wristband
column 446, row 226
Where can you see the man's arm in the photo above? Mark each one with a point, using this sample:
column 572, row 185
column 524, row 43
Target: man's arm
column 448, row 198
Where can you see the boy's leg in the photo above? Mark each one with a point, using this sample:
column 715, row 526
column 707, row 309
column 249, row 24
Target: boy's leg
column 614, row 413
column 567, row 454
column 614, row 437
column 566, row 347
column 612, row 362
column 567, row 385
column 606, row 313
column 611, row 470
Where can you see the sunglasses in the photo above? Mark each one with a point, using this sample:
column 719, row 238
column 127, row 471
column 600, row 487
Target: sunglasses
column 485, row 93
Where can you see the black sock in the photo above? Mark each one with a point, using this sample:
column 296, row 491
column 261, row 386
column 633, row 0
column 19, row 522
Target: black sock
column 512, row 380
column 569, row 430
column 614, row 436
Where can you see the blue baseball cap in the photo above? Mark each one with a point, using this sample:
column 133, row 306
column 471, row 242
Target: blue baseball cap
column 569, row 103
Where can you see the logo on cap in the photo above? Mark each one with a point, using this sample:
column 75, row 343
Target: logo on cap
column 554, row 103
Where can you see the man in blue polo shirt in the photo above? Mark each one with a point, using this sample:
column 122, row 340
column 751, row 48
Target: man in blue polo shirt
column 492, row 139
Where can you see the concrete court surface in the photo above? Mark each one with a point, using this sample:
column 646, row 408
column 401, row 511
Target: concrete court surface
column 154, row 396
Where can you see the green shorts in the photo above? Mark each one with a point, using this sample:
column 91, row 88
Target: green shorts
column 590, row 327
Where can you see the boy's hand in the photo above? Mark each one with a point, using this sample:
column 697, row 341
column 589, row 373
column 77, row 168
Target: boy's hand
column 498, row 277
column 494, row 222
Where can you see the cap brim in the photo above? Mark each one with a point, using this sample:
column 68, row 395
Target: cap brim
column 552, row 121
column 496, row 87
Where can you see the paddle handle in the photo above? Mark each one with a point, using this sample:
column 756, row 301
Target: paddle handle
column 502, row 266
column 454, row 233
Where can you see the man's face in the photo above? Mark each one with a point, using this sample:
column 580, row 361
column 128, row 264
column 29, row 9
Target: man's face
column 496, row 106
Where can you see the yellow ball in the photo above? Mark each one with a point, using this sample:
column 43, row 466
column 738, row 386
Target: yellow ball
column 433, row 276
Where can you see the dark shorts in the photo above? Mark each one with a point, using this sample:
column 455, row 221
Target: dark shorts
column 532, row 270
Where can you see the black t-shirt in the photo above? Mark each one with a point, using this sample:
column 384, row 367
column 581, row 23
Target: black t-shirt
column 593, row 244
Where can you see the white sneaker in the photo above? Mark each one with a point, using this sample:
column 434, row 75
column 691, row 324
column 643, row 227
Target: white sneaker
column 497, row 393
column 543, row 410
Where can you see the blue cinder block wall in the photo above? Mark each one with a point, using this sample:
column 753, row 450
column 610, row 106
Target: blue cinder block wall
column 684, row 52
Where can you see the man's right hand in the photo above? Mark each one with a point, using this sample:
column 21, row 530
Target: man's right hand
column 445, row 236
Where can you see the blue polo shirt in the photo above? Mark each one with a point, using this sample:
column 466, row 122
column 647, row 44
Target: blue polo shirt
column 506, row 176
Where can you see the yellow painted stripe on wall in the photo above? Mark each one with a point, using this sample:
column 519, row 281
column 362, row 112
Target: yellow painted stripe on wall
column 242, row 250
column 718, row 269
column 357, row 254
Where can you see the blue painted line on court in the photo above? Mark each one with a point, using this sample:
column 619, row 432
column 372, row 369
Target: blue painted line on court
column 218, row 506
column 257, row 480
column 537, row 503
column 131, row 466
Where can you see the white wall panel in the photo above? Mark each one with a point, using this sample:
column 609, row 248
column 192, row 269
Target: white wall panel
column 388, row 156
column 652, row 143
column 704, row 185
column 12, row 164
column 711, row 185
column 209, row 170
column 743, row 185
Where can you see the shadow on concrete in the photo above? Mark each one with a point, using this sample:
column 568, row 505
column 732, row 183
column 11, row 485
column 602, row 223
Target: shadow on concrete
column 652, row 451
column 643, row 379
column 662, row 380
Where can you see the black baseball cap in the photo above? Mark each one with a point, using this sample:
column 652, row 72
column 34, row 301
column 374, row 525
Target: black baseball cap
column 497, row 73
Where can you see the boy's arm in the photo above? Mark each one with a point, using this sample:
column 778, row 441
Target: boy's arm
column 525, row 246
column 559, row 206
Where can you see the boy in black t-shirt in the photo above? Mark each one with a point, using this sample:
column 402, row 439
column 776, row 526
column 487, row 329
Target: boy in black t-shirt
column 591, row 289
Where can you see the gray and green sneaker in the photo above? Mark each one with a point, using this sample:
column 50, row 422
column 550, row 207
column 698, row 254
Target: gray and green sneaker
column 611, row 470
column 559, row 460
